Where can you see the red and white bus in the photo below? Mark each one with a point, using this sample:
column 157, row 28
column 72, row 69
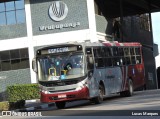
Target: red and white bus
column 92, row 71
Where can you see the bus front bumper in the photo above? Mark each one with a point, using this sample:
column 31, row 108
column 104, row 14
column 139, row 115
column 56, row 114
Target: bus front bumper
column 66, row 96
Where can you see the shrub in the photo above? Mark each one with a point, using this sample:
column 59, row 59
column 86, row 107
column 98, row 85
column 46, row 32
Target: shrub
column 22, row 92
column 4, row 106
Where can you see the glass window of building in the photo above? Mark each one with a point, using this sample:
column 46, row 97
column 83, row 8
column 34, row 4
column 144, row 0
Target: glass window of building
column 12, row 12
column 2, row 8
column 9, row 6
column 5, row 55
column 2, row 18
column 14, row 59
column 6, row 65
column 10, row 17
column 24, row 53
column 15, row 54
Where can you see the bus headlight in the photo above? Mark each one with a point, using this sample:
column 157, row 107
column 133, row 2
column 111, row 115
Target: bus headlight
column 79, row 88
column 44, row 90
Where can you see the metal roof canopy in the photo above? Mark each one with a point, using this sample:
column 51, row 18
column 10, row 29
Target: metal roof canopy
column 119, row 8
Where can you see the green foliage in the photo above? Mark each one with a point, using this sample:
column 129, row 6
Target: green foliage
column 20, row 92
column 4, row 106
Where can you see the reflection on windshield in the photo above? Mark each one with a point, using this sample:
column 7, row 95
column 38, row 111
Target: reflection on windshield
column 60, row 67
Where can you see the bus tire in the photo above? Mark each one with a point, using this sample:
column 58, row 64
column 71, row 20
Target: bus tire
column 130, row 88
column 60, row 105
column 129, row 92
column 99, row 99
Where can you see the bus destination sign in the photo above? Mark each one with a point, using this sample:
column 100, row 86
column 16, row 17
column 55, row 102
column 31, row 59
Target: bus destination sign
column 58, row 50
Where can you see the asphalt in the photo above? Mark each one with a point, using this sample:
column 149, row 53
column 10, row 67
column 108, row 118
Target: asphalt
column 32, row 105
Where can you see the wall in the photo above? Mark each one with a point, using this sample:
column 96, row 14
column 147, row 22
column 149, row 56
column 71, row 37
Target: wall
column 13, row 77
column 13, row 31
column 43, row 24
column 150, row 71
column 101, row 24
column 132, row 32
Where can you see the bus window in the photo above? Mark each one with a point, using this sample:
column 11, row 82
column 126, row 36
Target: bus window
column 124, row 60
column 103, row 52
column 126, row 51
column 128, row 60
column 137, row 50
column 108, row 52
column 116, row 61
column 95, row 52
column 132, row 51
column 108, row 62
column 115, row 51
column 99, row 62
column 121, row 61
column 121, row 53
column 100, row 53
column 133, row 60
column 138, row 59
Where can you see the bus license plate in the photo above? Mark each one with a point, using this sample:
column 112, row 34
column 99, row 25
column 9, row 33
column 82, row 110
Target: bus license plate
column 62, row 96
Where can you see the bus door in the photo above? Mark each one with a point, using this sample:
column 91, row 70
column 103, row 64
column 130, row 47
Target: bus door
column 110, row 80
column 117, row 64
column 113, row 80
column 113, row 75
column 92, row 83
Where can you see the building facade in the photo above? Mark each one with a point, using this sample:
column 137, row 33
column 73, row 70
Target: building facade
column 26, row 25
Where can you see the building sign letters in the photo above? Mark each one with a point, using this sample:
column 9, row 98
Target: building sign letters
column 59, row 26
column 58, row 11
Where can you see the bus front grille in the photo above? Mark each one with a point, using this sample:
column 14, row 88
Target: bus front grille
column 62, row 90
column 59, row 83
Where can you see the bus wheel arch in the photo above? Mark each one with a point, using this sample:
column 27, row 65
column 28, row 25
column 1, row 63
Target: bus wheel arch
column 101, row 89
column 60, row 105
column 102, row 85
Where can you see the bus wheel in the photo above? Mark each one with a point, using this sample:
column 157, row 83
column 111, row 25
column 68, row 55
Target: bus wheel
column 130, row 88
column 60, row 105
column 129, row 92
column 99, row 99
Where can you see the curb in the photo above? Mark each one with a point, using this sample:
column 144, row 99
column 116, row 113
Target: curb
column 42, row 106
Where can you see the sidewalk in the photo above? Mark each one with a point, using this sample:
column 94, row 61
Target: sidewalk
column 32, row 105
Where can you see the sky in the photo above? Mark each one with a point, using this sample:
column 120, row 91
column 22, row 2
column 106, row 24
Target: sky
column 156, row 33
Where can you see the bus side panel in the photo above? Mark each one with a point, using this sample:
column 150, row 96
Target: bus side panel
column 113, row 80
column 136, row 74
column 94, row 82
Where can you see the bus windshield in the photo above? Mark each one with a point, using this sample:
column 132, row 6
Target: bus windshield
column 60, row 67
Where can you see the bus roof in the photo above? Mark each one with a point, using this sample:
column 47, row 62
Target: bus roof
column 115, row 43
column 100, row 43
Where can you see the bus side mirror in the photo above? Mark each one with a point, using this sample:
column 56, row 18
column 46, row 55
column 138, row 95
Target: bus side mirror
column 34, row 65
column 90, row 74
column 90, row 62
column 90, row 59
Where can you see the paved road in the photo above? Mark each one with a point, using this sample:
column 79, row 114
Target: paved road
column 142, row 105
